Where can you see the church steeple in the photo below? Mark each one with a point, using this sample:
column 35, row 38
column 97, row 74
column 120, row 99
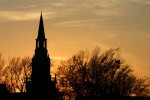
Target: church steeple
column 40, row 83
column 41, row 32
column 41, row 41
column 40, row 77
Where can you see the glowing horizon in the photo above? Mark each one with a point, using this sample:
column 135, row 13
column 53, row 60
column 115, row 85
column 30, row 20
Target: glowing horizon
column 73, row 25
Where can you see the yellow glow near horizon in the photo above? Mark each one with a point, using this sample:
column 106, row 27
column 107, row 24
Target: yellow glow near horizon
column 73, row 25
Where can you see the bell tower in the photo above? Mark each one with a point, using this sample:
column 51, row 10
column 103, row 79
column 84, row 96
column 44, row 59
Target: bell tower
column 40, row 77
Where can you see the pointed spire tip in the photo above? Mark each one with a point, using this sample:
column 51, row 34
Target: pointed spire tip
column 41, row 33
column 41, row 11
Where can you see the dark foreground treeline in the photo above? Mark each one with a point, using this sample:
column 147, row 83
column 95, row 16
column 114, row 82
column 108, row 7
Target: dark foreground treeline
column 22, row 96
column 93, row 74
column 113, row 98
column 90, row 75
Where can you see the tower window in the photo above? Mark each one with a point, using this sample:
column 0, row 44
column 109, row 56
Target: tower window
column 37, row 44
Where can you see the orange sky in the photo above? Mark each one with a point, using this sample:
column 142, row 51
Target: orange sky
column 72, row 25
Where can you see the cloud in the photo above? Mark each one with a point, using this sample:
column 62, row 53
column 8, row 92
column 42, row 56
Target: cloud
column 75, row 23
column 141, row 1
column 21, row 16
column 62, row 8
column 147, row 36
column 58, row 4
column 68, row 12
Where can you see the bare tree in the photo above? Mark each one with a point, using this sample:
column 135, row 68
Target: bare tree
column 99, row 74
column 2, row 69
column 18, row 69
column 27, row 69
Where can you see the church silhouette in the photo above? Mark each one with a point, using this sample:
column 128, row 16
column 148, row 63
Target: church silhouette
column 40, row 82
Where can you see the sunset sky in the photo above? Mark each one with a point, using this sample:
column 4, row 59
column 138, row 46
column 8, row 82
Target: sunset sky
column 73, row 25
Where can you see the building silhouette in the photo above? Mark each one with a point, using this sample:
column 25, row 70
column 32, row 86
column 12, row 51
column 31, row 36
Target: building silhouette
column 41, row 82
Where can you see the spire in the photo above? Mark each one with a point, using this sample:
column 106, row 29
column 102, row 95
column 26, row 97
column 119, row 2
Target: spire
column 41, row 33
